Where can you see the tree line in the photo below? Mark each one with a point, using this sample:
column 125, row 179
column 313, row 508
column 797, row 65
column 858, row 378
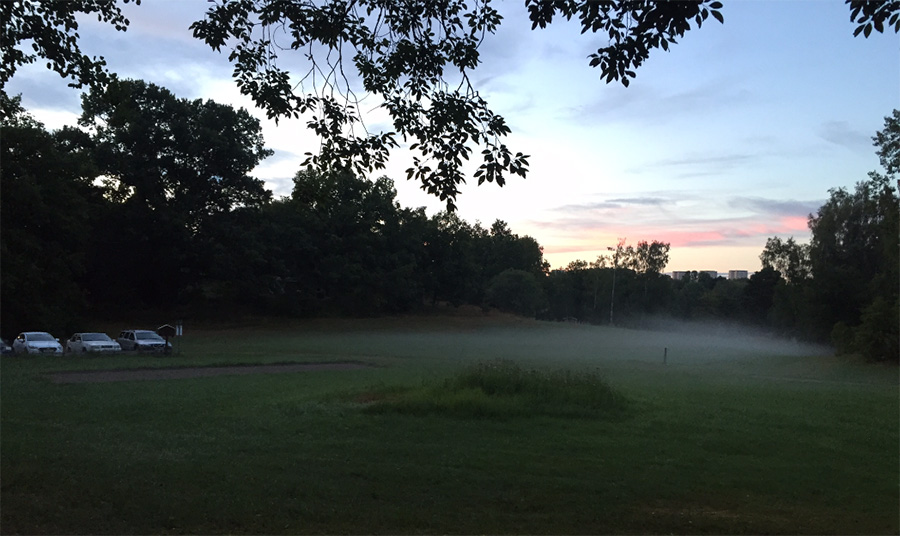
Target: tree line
column 149, row 204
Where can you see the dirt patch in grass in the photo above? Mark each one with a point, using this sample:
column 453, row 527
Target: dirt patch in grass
column 180, row 373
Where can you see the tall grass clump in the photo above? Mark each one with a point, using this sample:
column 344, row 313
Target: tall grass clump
column 503, row 389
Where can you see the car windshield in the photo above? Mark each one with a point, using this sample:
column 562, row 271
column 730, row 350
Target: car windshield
column 147, row 336
column 41, row 337
column 95, row 337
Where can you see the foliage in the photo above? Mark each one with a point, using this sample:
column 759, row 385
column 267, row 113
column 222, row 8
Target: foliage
column 516, row 291
column 759, row 294
column 52, row 30
column 650, row 258
column 160, row 152
column 844, row 284
column 787, row 257
column 401, row 52
column 414, row 57
column 634, row 28
column 888, row 142
column 170, row 167
column 877, row 335
column 853, row 250
column 869, row 14
column 45, row 216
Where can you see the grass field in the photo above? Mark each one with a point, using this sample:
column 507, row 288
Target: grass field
column 733, row 434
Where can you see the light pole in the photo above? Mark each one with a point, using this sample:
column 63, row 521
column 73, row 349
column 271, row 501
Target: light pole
column 612, row 299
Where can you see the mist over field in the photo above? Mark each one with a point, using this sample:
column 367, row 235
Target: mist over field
column 720, row 340
column 708, row 347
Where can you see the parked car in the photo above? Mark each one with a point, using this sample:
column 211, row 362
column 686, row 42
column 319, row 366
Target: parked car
column 36, row 342
column 142, row 340
column 92, row 342
column 5, row 348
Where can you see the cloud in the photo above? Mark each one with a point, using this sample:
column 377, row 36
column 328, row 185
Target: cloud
column 688, row 219
column 44, row 89
column 776, row 208
column 654, row 201
column 644, row 103
column 841, row 133
column 699, row 165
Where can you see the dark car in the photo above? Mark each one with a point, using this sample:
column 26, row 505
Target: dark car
column 142, row 340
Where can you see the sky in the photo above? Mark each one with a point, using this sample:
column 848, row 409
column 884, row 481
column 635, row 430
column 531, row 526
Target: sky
column 734, row 135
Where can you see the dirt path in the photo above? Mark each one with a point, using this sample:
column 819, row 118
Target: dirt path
column 99, row 376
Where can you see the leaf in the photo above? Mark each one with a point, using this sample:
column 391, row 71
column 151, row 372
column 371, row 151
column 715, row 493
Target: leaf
column 718, row 16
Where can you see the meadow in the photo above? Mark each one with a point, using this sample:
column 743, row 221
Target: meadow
column 462, row 424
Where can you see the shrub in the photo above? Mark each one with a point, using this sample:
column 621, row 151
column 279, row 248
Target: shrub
column 502, row 389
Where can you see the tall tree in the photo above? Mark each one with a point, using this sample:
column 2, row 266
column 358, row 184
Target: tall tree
column 360, row 251
column 45, row 212
column 192, row 158
column 650, row 258
column 170, row 166
column 851, row 234
column 846, row 282
column 759, row 294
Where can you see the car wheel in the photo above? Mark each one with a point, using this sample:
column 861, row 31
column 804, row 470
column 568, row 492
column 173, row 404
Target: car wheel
column 84, row 349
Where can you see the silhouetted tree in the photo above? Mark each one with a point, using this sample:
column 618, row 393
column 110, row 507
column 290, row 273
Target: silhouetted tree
column 516, row 291
column 169, row 165
column 45, row 221
column 759, row 294
column 787, row 257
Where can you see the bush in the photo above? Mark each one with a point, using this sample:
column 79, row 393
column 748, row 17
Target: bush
column 502, row 389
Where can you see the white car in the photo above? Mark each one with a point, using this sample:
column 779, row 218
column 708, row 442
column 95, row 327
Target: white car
column 36, row 342
column 142, row 340
column 92, row 342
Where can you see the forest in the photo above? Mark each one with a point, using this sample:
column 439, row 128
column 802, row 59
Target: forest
column 149, row 205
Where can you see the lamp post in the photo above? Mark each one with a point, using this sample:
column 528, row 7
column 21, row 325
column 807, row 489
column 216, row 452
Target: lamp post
column 612, row 299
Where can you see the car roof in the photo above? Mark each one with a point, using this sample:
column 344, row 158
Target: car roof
column 35, row 332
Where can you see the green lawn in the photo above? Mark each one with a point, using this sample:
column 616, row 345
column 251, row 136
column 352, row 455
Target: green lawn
column 731, row 435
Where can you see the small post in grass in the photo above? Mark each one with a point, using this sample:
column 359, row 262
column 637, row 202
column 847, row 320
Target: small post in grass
column 665, row 354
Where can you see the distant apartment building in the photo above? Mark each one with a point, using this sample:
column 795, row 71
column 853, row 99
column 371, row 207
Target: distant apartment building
column 681, row 275
column 737, row 274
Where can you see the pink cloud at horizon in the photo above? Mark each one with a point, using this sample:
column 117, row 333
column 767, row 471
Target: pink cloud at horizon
column 795, row 223
column 720, row 244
